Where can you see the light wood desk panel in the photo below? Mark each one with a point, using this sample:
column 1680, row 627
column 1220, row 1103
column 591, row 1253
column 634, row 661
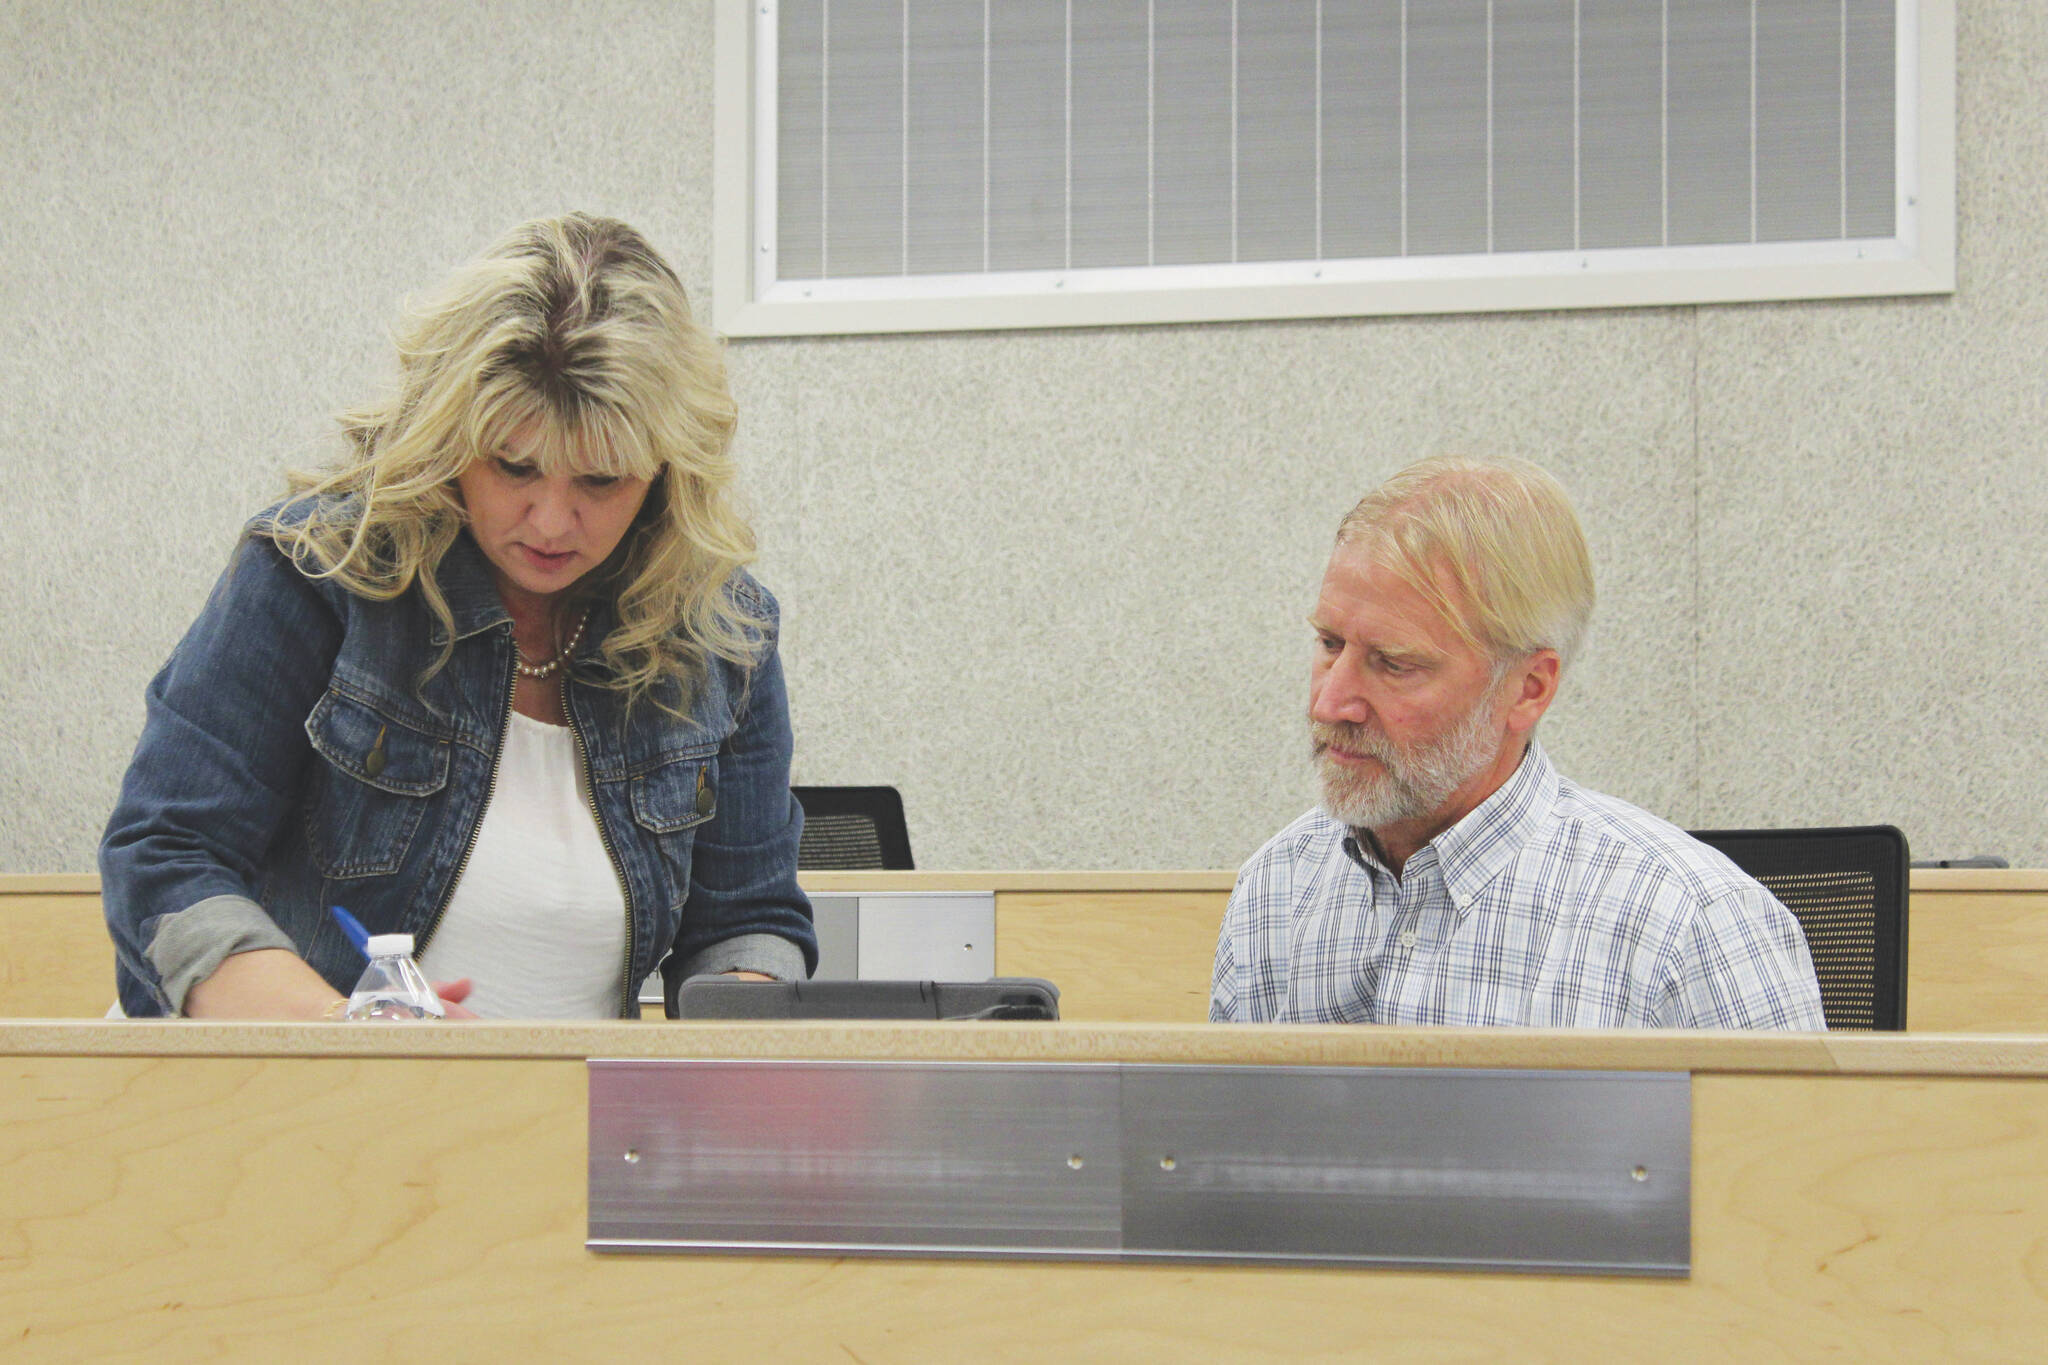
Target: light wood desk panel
column 56, row 961
column 183, row 1192
column 1977, row 959
column 1140, row 956
column 1137, row 946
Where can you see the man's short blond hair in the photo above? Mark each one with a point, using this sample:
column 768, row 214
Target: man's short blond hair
column 1504, row 533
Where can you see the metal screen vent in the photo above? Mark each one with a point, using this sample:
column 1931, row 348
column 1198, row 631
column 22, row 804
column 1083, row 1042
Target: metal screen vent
column 952, row 136
column 1339, row 155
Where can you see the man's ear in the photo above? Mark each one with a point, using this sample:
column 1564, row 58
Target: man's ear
column 1532, row 686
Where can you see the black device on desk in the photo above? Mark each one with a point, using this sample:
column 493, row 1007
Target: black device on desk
column 1005, row 997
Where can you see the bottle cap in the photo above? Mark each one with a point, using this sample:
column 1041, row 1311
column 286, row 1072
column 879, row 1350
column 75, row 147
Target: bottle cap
column 384, row 945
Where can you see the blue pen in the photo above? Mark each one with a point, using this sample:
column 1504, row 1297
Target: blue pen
column 355, row 931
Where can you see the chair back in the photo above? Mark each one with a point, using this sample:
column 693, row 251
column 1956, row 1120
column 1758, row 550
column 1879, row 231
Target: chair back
column 852, row 829
column 1847, row 887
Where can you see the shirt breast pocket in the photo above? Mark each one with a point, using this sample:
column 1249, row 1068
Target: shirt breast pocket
column 669, row 803
column 371, row 788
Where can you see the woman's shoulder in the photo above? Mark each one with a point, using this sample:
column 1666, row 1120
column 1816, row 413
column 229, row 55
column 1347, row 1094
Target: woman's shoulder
column 719, row 679
column 288, row 517
column 273, row 548
column 263, row 591
column 305, row 529
column 751, row 595
column 746, row 608
column 266, row 537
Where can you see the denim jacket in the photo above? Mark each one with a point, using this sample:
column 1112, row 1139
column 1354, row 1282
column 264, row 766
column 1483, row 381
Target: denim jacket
column 291, row 759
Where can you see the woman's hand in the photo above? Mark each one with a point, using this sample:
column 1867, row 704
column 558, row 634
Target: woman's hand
column 452, row 993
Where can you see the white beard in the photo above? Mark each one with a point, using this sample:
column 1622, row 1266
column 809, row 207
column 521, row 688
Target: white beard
column 1410, row 784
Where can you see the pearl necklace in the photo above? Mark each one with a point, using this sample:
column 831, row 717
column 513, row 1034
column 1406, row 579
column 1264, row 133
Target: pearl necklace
column 553, row 661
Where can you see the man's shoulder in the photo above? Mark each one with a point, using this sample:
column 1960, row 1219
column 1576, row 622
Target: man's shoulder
column 1612, row 831
column 1309, row 839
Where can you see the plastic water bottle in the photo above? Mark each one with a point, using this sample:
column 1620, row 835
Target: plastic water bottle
column 392, row 986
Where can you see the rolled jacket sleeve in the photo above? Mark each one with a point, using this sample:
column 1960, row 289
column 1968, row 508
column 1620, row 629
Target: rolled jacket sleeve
column 743, row 882
column 768, row 954
column 215, row 773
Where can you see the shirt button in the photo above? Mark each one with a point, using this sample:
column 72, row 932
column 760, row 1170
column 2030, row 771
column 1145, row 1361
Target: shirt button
column 1407, row 938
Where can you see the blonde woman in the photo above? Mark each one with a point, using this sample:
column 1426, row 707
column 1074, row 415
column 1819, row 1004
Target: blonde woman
column 498, row 680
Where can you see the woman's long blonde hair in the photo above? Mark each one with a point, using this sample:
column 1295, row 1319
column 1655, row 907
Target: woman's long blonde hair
column 574, row 336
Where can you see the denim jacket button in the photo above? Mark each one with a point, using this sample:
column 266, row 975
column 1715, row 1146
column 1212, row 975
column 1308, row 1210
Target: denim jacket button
column 373, row 761
column 704, row 794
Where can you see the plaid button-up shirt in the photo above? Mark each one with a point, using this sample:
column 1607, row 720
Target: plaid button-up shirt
column 1548, row 906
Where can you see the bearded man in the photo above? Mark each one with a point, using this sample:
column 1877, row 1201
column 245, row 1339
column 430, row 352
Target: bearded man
column 1451, row 875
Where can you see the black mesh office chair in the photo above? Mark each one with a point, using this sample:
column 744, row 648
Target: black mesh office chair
column 851, row 829
column 1848, row 889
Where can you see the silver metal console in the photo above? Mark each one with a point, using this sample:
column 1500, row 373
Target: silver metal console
column 896, row 936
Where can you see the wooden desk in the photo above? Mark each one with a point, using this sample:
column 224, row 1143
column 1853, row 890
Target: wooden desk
column 1977, row 955
column 1137, row 946
column 56, row 961
column 1133, row 945
column 182, row 1191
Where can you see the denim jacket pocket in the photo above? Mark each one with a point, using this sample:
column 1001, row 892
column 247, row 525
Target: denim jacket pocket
column 368, row 796
column 669, row 802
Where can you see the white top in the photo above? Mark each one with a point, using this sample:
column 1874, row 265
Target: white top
column 537, row 919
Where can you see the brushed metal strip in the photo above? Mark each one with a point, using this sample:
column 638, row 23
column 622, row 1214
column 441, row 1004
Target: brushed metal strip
column 1520, row 1170
column 1524, row 1170
column 913, row 1158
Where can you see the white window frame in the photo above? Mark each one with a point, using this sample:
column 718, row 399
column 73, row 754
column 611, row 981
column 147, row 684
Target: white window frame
column 748, row 301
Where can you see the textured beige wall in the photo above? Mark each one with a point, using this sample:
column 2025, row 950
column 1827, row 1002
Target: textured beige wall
column 1049, row 584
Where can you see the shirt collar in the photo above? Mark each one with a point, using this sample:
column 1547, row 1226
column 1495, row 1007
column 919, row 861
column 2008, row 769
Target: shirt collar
column 1479, row 847
column 467, row 585
column 474, row 603
column 1482, row 845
